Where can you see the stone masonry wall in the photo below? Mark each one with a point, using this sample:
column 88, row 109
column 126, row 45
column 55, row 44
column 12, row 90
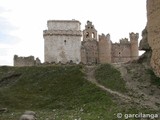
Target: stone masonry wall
column 25, row 61
column 134, row 45
column 63, row 25
column 153, row 28
column 62, row 41
column 91, row 51
column 121, row 52
column 104, row 46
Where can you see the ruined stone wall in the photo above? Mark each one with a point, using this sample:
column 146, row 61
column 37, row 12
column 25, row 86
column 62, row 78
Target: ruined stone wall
column 153, row 28
column 121, row 52
column 62, row 41
column 25, row 61
column 104, row 46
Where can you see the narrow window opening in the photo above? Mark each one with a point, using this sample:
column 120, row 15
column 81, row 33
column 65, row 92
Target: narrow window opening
column 93, row 35
column 65, row 42
column 87, row 35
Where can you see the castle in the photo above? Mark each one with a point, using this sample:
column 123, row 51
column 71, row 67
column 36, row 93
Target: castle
column 102, row 50
column 63, row 44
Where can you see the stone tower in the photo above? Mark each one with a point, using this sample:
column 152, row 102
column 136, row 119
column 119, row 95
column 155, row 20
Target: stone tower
column 89, row 49
column 104, row 45
column 134, row 45
column 153, row 29
column 62, row 41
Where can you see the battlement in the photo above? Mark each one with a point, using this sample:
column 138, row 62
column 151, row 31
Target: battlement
column 133, row 36
column 62, row 32
column 124, row 41
column 63, row 25
column 104, row 37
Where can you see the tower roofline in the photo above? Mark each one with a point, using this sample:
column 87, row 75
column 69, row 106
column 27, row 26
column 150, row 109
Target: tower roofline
column 73, row 20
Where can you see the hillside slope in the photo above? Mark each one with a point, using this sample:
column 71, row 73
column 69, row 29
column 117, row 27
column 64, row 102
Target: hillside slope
column 59, row 92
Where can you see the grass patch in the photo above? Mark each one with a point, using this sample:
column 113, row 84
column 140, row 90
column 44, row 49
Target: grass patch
column 56, row 93
column 110, row 77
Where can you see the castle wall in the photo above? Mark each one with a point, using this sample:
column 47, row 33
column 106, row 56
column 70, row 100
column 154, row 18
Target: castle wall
column 83, row 55
column 90, row 52
column 62, row 42
column 153, row 28
column 24, row 61
column 121, row 52
column 104, row 46
column 62, row 48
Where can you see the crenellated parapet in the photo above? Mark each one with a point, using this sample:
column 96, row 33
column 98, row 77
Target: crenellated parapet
column 134, row 45
column 104, row 46
column 104, row 37
column 124, row 41
column 133, row 36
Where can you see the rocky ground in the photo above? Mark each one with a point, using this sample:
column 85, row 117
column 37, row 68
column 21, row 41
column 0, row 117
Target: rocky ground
column 141, row 92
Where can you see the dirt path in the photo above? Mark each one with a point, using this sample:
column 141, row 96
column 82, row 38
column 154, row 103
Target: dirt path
column 140, row 92
column 90, row 70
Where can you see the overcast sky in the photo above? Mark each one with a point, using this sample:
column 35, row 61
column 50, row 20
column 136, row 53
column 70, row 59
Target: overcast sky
column 22, row 21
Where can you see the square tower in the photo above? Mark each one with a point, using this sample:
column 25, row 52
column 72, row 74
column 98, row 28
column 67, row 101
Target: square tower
column 62, row 41
column 89, row 50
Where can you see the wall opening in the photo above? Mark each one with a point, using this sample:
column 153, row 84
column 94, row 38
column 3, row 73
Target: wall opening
column 93, row 35
column 87, row 35
column 65, row 42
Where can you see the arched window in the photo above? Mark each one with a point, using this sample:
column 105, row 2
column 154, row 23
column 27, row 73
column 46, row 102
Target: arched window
column 87, row 35
column 93, row 35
